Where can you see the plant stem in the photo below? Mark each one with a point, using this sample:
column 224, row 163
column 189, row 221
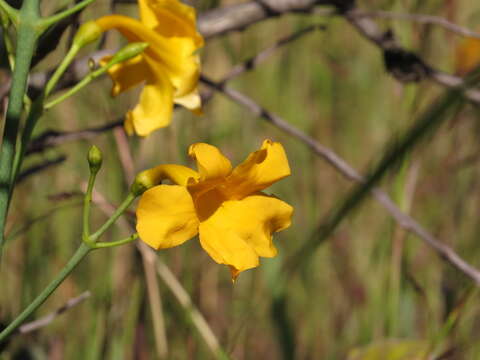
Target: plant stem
column 87, row 202
column 131, row 238
column 81, row 252
column 120, row 210
column 5, row 22
column 36, row 111
column 79, row 86
column 67, row 60
column 26, row 42
column 11, row 12
column 47, row 22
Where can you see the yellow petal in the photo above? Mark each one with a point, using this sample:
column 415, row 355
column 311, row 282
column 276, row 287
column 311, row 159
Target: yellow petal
column 127, row 74
column 191, row 101
column 174, row 54
column 240, row 231
column 184, row 80
column 170, row 18
column 261, row 169
column 128, row 124
column 154, row 109
column 178, row 174
column 226, row 247
column 211, row 163
column 166, row 216
column 467, row 55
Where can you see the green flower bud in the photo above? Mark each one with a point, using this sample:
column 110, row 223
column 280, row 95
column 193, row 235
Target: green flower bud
column 87, row 33
column 94, row 159
column 128, row 51
column 143, row 181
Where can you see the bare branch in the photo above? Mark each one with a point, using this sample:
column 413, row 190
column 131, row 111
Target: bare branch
column 239, row 16
column 48, row 319
column 403, row 220
column 405, row 65
column 51, row 138
column 40, row 167
column 422, row 19
column 251, row 63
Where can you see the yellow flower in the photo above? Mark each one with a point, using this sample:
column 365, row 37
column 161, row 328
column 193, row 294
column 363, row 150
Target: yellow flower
column 169, row 66
column 225, row 206
column 467, row 55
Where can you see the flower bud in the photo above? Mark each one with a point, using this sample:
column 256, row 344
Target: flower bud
column 143, row 181
column 87, row 33
column 128, row 51
column 94, row 159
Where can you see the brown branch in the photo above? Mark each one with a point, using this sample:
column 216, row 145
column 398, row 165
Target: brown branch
column 40, row 167
column 403, row 220
column 240, row 16
column 48, row 319
column 403, row 64
column 51, row 138
column 421, row 19
column 251, row 63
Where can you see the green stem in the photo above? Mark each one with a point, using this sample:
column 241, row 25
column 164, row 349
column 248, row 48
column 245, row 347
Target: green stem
column 26, row 42
column 7, row 40
column 67, row 60
column 47, row 22
column 81, row 252
column 131, row 238
column 79, row 86
column 34, row 114
column 87, row 202
column 11, row 12
column 128, row 52
column 120, row 210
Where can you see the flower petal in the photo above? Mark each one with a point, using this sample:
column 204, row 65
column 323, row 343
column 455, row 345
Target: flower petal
column 240, row 231
column 127, row 74
column 178, row 174
column 260, row 170
column 166, row 216
column 226, row 247
column 170, row 18
column 174, row 54
column 155, row 106
column 191, row 101
column 211, row 163
column 467, row 55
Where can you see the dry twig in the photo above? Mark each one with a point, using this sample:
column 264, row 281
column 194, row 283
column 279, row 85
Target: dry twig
column 48, row 319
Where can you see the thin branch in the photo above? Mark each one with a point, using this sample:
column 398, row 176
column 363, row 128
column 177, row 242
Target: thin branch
column 403, row 220
column 251, row 63
column 403, row 64
column 40, row 167
column 422, row 19
column 51, row 138
column 48, row 319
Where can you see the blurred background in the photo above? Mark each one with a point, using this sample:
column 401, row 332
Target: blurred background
column 369, row 291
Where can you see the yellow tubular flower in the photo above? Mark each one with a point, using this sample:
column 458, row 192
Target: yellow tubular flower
column 234, row 220
column 467, row 55
column 169, row 67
